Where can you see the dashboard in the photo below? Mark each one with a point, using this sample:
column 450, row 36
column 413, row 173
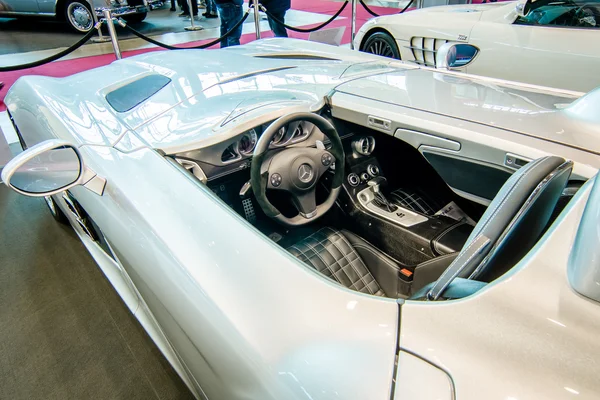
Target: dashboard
column 235, row 154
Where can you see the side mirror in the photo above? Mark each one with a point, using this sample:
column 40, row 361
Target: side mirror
column 48, row 168
column 455, row 55
column 523, row 8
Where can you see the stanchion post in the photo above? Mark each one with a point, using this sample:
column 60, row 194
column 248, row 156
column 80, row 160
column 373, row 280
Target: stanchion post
column 101, row 38
column 112, row 32
column 353, row 24
column 256, row 18
column 192, row 27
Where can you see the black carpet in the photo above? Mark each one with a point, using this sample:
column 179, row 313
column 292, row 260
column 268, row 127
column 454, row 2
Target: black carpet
column 64, row 332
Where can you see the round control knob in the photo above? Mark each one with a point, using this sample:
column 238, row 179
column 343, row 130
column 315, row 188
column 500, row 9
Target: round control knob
column 364, row 176
column 326, row 159
column 353, row 179
column 373, row 170
column 276, row 180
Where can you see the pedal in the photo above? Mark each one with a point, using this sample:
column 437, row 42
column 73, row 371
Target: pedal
column 276, row 237
column 249, row 213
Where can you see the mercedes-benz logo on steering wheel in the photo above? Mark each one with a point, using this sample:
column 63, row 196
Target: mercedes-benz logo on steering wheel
column 305, row 173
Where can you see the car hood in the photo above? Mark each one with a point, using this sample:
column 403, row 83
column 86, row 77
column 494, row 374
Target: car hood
column 565, row 118
column 209, row 94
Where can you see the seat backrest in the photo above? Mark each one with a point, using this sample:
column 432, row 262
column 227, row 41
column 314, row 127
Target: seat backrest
column 512, row 223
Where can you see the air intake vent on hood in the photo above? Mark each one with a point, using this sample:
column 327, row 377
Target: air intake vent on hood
column 127, row 97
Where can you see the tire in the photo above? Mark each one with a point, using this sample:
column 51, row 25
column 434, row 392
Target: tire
column 78, row 15
column 55, row 211
column 135, row 18
column 381, row 44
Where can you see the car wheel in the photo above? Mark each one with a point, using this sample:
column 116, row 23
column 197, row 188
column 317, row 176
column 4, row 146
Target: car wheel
column 135, row 18
column 79, row 15
column 381, row 44
column 56, row 212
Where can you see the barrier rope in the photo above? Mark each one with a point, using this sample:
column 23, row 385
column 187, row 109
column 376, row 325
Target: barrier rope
column 316, row 28
column 373, row 13
column 168, row 47
column 56, row 56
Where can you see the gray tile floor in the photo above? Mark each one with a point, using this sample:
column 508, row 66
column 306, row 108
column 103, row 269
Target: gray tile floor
column 64, row 332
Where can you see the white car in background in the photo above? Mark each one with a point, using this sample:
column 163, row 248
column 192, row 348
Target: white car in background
column 549, row 43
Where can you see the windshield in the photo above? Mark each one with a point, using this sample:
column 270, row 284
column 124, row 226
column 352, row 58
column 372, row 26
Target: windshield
column 573, row 13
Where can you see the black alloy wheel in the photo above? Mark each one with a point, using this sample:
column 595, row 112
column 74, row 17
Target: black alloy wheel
column 56, row 212
column 381, row 44
column 135, row 18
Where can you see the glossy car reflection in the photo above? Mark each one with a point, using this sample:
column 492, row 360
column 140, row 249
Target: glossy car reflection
column 553, row 45
column 443, row 218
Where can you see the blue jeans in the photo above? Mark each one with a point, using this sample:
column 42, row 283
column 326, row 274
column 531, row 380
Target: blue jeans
column 276, row 27
column 211, row 7
column 230, row 15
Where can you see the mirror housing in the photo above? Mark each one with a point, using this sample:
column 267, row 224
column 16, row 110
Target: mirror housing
column 454, row 56
column 50, row 167
column 523, row 8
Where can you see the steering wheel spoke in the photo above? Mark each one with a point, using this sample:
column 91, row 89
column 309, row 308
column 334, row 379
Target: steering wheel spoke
column 306, row 203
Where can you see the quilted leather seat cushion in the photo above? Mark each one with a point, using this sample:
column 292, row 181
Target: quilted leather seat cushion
column 331, row 253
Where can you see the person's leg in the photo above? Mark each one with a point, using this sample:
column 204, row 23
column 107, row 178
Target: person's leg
column 211, row 10
column 225, row 14
column 278, row 29
column 173, row 8
column 237, row 13
column 185, row 9
column 195, row 7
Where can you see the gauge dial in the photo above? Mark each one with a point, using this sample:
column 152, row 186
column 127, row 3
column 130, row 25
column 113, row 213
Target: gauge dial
column 248, row 142
column 279, row 137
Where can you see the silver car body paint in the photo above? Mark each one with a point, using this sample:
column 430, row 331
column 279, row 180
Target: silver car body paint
column 51, row 7
column 527, row 336
column 240, row 318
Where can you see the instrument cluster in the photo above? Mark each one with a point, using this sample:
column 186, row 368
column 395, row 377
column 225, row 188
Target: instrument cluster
column 293, row 133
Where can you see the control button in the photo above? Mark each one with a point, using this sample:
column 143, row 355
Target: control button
column 353, row 179
column 364, row 176
column 326, row 159
column 373, row 170
column 276, row 180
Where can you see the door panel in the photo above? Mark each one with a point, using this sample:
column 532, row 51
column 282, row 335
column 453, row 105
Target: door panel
column 22, row 6
column 479, row 179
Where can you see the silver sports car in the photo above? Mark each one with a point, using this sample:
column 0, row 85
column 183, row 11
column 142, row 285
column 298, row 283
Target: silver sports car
column 290, row 220
column 77, row 13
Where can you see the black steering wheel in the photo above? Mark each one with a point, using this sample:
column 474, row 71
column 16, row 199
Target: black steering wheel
column 297, row 170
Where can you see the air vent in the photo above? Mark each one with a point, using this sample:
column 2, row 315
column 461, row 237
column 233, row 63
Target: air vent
column 363, row 146
column 424, row 49
column 230, row 153
column 134, row 93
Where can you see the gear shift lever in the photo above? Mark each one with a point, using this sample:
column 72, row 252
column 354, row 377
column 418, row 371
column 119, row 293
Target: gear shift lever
column 380, row 200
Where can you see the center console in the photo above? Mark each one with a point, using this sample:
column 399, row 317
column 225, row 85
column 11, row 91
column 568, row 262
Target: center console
column 407, row 228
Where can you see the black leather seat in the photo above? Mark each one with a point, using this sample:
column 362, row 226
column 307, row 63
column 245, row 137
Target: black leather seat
column 350, row 261
column 511, row 225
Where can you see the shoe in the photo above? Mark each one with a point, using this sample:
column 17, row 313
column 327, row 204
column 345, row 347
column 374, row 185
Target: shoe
column 211, row 15
column 1, row 85
column 173, row 9
column 184, row 14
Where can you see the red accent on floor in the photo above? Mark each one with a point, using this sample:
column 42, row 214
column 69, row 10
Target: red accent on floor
column 70, row 67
